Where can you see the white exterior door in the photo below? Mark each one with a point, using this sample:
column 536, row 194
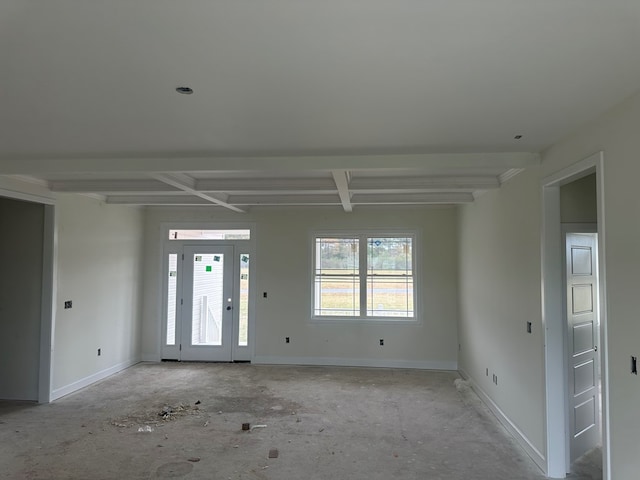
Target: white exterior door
column 583, row 327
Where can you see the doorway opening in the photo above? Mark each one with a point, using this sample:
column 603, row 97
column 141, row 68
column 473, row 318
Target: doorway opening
column 574, row 317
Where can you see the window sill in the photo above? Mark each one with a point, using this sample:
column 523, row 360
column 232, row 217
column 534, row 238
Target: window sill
column 361, row 320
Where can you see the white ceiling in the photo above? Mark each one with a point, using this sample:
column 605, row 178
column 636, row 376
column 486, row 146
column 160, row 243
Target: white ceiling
column 302, row 102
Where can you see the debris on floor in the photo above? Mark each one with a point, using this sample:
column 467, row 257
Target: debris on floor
column 258, row 426
column 145, row 429
column 246, row 426
column 273, row 453
column 194, row 459
column 198, row 402
column 156, row 417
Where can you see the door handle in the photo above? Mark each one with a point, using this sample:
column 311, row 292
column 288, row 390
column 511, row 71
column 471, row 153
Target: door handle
column 595, row 349
column 230, row 307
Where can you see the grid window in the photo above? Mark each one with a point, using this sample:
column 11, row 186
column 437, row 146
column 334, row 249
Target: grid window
column 364, row 277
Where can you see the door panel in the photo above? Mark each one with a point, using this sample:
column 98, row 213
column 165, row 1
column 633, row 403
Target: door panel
column 582, row 308
column 207, row 310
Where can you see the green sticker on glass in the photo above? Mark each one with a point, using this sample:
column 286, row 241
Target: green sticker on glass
column 245, row 258
column 216, row 258
column 208, row 268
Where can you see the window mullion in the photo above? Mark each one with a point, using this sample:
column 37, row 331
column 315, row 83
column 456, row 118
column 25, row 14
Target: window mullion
column 362, row 271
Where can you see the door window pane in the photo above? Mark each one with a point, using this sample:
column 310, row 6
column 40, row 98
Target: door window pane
column 206, row 320
column 243, row 327
column 172, row 282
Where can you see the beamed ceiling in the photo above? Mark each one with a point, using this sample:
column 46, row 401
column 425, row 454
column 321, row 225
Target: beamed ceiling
column 345, row 103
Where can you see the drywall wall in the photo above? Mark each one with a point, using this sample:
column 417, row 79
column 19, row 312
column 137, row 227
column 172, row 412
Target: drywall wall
column 499, row 293
column 578, row 201
column 616, row 134
column 99, row 257
column 283, row 269
column 21, row 224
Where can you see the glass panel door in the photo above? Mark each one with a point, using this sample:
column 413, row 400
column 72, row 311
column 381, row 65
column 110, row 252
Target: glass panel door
column 207, row 309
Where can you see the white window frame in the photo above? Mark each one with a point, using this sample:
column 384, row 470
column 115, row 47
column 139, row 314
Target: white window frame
column 363, row 235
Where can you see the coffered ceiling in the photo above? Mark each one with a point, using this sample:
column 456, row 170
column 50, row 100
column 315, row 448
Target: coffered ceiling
column 346, row 103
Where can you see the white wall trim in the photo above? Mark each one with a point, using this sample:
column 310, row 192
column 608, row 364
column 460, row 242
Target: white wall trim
column 47, row 308
column 357, row 362
column 27, row 191
column 84, row 382
column 511, row 427
column 553, row 316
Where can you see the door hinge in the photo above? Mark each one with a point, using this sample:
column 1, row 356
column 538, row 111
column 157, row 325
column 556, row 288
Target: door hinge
column 180, row 347
column 181, row 301
column 183, row 256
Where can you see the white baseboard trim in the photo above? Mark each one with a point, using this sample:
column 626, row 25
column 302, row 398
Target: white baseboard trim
column 84, row 382
column 356, row 362
column 511, row 427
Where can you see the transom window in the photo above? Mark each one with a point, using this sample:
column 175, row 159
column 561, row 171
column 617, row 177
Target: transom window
column 219, row 234
column 364, row 276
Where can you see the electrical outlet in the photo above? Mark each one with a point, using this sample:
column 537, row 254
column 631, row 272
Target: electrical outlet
column 382, row 341
column 68, row 304
column 634, row 365
column 528, row 327
column 99, row 351
column 286, row 339
column 264, row 294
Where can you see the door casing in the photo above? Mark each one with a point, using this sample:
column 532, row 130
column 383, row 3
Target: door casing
column 553, row 316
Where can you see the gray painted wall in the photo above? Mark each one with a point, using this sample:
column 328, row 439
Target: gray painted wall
column 21, row 224
column 500, row 293
column 99, row 258
column 500, row 244
column 616, row 134
column 283, row 269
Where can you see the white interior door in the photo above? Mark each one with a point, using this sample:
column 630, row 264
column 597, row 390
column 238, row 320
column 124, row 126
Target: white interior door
column 582, row 320
column 207, row 304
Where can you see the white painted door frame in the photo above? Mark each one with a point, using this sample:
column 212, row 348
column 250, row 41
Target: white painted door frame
column 553, row 291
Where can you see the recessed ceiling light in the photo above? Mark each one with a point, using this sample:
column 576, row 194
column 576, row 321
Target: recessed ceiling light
column 184, row 90
column 518, row 137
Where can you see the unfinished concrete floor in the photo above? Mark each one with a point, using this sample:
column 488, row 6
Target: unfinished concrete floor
column 326, row 423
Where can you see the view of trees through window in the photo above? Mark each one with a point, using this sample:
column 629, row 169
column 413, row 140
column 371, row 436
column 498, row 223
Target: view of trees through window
column 385, row 279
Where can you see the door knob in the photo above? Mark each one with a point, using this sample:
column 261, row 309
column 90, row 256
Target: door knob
column 229, row 307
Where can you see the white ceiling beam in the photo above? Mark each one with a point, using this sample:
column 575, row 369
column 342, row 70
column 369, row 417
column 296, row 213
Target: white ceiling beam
column 341, row 177
column 111, row 186
column 289, row 200
column 423, row 183
column 446, row 198
column 33, row 166
column 175, row 200
column 187, row 184
column 266, row 185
